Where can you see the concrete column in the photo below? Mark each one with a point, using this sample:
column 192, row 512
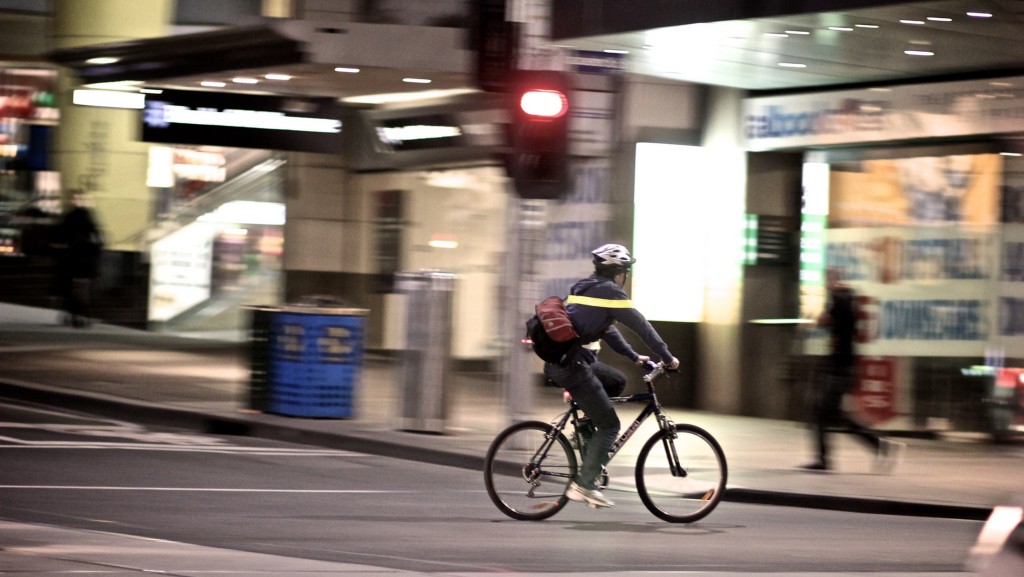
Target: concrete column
column 98, row 149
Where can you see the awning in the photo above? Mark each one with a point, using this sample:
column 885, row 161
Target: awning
column 182, row 55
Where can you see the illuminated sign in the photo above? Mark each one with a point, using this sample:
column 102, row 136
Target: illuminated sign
column 421, row 132
column 879, row 114
column 242, row 120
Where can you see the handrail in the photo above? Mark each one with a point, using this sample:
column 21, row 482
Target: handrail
column 246, row 184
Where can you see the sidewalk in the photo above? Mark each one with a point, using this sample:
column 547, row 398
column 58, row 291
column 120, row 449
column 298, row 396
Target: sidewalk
column 203, row 384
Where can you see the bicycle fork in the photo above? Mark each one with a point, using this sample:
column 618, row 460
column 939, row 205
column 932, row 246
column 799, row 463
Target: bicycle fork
column 668, row 442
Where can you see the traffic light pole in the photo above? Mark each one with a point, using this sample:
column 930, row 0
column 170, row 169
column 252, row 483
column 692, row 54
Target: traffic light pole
column 526, row 235
column 526, row 230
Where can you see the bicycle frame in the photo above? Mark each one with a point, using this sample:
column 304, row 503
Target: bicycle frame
column 651, row 408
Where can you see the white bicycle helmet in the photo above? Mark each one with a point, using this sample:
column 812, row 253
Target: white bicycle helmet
column 612, row 255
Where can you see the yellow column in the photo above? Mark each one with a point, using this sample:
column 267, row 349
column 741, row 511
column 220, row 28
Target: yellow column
column 98, row 149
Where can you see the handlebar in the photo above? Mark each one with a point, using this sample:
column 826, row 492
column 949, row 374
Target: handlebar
column 654, row 370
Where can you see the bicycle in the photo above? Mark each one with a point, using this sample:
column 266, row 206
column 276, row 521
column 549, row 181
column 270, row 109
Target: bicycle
column 530, row 464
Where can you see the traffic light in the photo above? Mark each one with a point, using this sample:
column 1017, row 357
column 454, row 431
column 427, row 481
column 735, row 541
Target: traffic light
column 538, row 159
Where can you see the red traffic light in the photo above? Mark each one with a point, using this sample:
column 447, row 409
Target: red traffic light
column 544, row 103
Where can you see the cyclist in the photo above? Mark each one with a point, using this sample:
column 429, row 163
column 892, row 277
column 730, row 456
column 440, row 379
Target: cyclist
column 594, row 304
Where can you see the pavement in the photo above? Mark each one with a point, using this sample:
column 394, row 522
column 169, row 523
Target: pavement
column 201, row 382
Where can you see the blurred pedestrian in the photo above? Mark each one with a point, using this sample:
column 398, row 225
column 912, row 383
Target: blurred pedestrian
column 838, row 376
column 80, row 243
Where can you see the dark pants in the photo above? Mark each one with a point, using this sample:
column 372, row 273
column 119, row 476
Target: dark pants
column 833, row 385
column 591, row 386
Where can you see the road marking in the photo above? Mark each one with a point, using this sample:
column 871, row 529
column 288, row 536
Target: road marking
column 141, row 439
column 18, row 444
column 197, row 489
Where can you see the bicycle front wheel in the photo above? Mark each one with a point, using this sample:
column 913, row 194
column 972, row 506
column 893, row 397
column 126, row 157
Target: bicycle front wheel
column 528, row 467
column 681, row 477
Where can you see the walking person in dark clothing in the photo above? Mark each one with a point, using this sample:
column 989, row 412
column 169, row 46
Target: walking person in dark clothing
column 80, row 244
column 838, row 377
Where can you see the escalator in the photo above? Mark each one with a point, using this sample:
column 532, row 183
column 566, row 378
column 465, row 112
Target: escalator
column 218, row 251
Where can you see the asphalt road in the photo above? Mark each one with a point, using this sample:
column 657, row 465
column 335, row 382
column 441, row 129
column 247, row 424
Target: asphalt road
column 245, row 494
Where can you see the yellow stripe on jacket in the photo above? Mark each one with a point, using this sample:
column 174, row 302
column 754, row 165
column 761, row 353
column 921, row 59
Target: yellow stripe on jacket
column 602, row 303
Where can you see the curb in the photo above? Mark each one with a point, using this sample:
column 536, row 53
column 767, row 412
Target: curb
column 159, row 415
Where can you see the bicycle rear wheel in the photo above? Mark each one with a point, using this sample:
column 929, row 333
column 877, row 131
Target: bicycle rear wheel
column 691, row 492
column 526, row 473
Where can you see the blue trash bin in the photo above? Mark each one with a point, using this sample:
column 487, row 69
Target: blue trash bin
column 315, row 356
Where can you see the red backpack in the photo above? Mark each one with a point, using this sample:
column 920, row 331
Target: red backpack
column 550, row 331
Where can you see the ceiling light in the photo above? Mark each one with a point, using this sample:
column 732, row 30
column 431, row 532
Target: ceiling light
column 918, row 53
column 406, row 96
column 126, row 85
column 920, row 42
column 213, row 84
column 244, row 80
column 108, row 99
column 277, row 77
column 614, row 51
column 417, row 80
column 914, row 22
column 1001, row 84
column 102, row 60
column 979, row 14
column 151, row 91
column 939, row 19
column 348, row 70
column 1010, row 153
column 792, row 65
column 840, row 28
column 872, row 26
column 776, row 35
column 798, row 32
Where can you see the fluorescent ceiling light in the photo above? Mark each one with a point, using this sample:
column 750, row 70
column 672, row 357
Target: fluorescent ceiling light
column 405, row 96
column 914, row 22
column 614, row 51
column 39, row 72
column 244, row 80
column 840, row 28
column 100, row 60
column 346, row 70
column 792, row 65
column 979, row 14
column 151, row 91
column 277, row 77
column 212, row 84
column 871, row 26
column 919, row 53
column 776, row 35
column 109, row 99
column 798, row 32
column 127, row 85
column 939, row 19
column 417, row 80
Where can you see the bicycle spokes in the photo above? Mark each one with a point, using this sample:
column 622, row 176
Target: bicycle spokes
column 527, row 470
column 681, row 479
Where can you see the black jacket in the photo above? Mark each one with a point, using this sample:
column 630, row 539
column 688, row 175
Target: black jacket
column 594, row 321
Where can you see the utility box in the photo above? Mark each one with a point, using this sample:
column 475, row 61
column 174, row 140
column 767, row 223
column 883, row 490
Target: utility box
column 426, row 358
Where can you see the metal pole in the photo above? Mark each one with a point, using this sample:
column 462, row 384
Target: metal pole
column 525, row 237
